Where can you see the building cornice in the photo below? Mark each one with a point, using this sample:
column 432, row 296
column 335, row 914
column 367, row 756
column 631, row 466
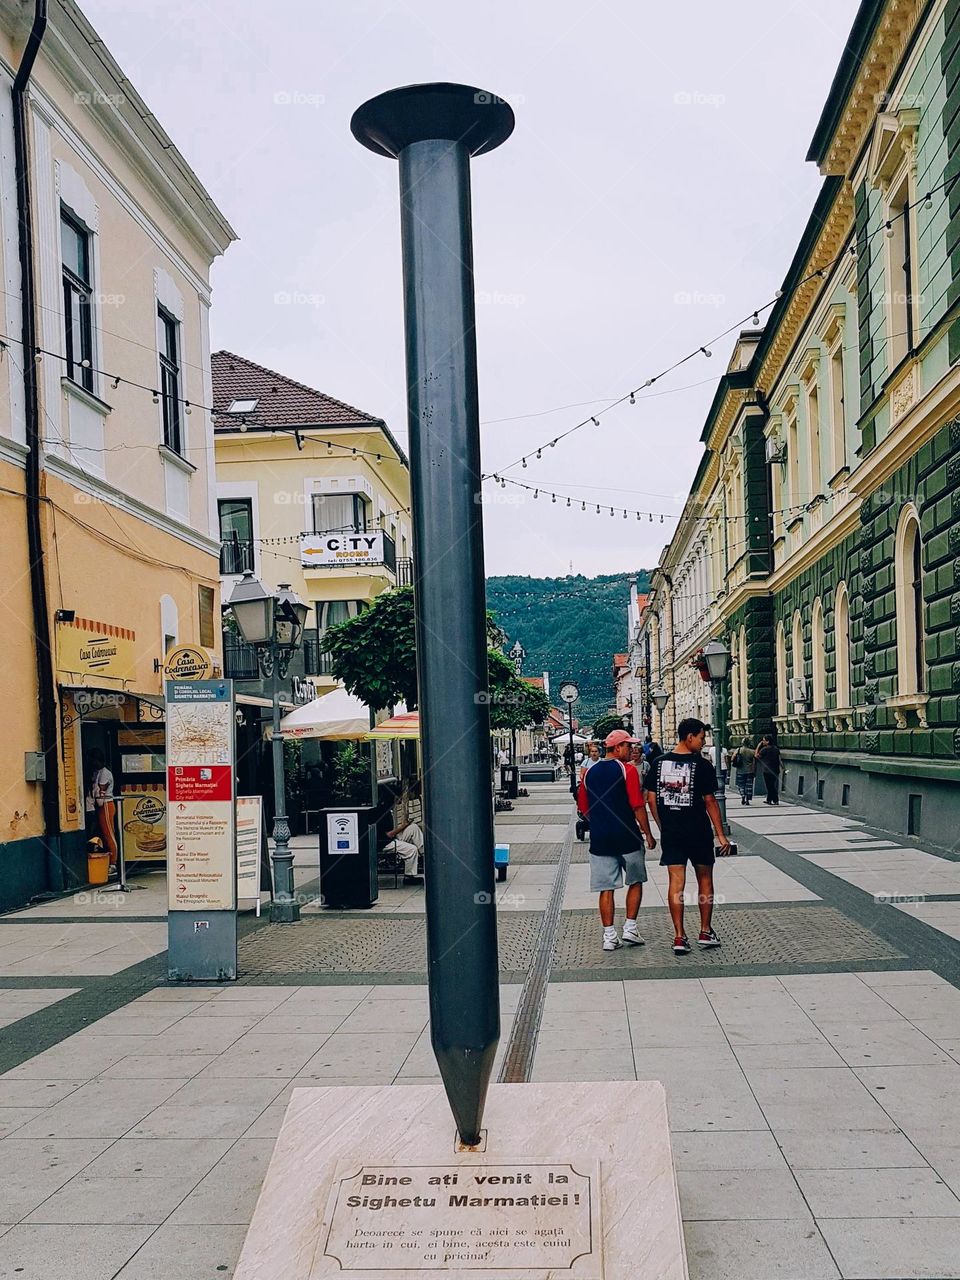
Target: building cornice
column 827, row 248
column 914, row 430
column 874, row 52
column 824, row 540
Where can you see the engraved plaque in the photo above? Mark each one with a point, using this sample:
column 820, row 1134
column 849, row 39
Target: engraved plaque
column 533, row 1218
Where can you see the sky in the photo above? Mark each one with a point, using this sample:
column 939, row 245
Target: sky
column 651, row 196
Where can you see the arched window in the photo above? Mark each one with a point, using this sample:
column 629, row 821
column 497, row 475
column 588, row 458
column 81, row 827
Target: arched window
column 841, row 643
column 797, row 670
column 819, row 691
column 911, row 668
column 169, row 623
column 781, row 670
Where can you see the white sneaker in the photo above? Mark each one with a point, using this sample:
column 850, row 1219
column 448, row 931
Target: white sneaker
column 612, row 943
column 631, row 937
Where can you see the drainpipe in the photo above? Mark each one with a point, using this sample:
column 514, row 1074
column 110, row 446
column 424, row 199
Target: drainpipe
column 50, row 788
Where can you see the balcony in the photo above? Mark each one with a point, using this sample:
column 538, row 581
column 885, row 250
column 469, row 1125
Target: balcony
column 239, row 658
column 236, row 556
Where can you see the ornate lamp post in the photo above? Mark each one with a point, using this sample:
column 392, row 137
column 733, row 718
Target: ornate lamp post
column 569, row 692
column 273, row 626
column 660, row 696
column 517, row 653
column 718, row 658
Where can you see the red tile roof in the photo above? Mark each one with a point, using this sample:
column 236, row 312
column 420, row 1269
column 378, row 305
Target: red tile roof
column 281, row 402
column 536, row 681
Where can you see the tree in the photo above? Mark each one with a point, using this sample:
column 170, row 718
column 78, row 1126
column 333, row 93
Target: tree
column 373, row 653
column 375, row 657
column 605, row 725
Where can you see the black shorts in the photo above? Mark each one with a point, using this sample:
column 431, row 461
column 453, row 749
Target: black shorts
column 701, row 855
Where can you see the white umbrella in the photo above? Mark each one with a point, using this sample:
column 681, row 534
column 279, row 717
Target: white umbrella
column 335, row 716
column 565, row 737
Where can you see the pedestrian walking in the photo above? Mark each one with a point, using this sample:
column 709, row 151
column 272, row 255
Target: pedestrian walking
column 593, row 755
column 680, row 791
column 770, row 765
column 611, row 797
column 745, row 768
column 100, row 802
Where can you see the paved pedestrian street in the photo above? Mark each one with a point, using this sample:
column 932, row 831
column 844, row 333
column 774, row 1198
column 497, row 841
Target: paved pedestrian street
column 812, row 1063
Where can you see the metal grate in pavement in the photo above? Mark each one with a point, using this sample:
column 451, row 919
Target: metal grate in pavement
column 521, row 818
column 356, row 944
column 794, row 935
column 527, row 854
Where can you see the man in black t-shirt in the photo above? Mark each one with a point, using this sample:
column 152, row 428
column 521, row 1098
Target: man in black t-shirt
column 680, row 790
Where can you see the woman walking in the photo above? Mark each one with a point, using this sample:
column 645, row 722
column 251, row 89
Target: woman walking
column 745, row 767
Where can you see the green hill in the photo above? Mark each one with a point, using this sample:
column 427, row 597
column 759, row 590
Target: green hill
column 570, row 627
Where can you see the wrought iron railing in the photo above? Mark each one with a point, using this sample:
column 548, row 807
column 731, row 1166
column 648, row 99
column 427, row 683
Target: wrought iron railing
column 236, row 556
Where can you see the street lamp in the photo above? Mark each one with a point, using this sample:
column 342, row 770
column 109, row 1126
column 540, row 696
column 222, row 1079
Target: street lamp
column 517, row 653
column 569, row 692
column 717, row 657
column 660, row 696
column 273, row 626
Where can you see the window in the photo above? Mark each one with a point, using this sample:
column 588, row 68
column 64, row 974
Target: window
column 781, row 670
column 793, row 467
column 841, row 643
column 77, row 300
column 242, row 406
column 740, row 675
column 206, row 600
column 798, row 673
column 911, row 668
column 236, row 535
column 837, row 421
column 332, row 612
column 817, row 655
column 900, row 275
column 813, row 432
column 168, row 335
column 332, row 511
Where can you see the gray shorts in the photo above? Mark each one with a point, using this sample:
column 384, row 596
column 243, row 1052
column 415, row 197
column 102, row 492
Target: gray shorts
column 610, row 871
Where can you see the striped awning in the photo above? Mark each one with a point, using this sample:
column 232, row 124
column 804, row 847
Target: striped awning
column 406, row 725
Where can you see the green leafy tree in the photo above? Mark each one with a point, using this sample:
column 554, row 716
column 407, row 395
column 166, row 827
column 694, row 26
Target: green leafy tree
column 374, row 654
column 605, row 725
column 375, row 657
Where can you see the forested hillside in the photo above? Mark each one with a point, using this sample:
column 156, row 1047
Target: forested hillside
column 570, row 627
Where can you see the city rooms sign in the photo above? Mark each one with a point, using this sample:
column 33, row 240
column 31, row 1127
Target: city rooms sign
column 326, row 550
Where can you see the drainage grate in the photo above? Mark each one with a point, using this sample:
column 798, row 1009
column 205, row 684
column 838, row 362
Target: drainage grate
column 795, row 935
column 527, row 854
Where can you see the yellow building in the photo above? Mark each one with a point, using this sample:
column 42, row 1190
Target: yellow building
column 107, row 509
column 310, row 491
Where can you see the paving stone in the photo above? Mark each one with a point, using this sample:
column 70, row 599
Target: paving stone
column 201, row 1253
column 718, row 1195
column 108, row 1201
column 228, row 1193
column 839, row 1148
column 38, row 1252
column 788, row 1250
column 812, row 1097
column 708, row 1152
column 893, row 1248
column 100, row 1109
column 877, row 1193
column 32, row 1171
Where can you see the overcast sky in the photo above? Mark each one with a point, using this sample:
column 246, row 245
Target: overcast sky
column 651, row 196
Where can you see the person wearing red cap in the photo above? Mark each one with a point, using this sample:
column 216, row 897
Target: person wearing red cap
column 611, row 797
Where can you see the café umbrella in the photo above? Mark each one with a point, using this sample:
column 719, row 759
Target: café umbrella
column 336, row 716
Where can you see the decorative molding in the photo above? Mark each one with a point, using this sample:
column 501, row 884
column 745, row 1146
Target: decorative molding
column 829, row 246
column 904, row 702
column 894, row 32
column 905, row 393
column 894, row 139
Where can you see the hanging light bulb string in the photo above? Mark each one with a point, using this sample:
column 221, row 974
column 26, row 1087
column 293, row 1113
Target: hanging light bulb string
column 705, row 349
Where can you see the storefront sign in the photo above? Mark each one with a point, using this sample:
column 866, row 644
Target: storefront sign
column 249, row 830
column 94, row 651
column 323, row 550
column 188, row 662
column 200, row 804
column 303, row 690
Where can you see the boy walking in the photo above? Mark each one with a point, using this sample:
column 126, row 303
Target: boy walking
column 680, row 790
column 611, row 797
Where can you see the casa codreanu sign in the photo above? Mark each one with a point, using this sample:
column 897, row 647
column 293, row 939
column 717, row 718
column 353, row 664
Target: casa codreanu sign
column 326, row 550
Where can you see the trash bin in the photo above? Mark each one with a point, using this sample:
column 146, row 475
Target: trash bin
column 510, row 780
column 348, row 857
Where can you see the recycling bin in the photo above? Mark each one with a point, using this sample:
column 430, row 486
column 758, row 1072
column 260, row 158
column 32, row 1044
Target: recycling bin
column 348, row 857
column 510, row 781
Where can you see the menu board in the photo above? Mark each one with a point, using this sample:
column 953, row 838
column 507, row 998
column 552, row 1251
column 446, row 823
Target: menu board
column 249, row 830
column 201, row 820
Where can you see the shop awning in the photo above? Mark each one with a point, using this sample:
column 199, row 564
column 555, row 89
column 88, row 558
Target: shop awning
column 565, row 737
column 406, row 725
column 336, row 716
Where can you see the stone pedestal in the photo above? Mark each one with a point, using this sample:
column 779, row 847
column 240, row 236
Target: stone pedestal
column 570, row 1180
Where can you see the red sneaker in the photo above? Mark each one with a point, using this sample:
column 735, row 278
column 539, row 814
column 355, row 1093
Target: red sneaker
column 681, row 946
column 708, row 939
